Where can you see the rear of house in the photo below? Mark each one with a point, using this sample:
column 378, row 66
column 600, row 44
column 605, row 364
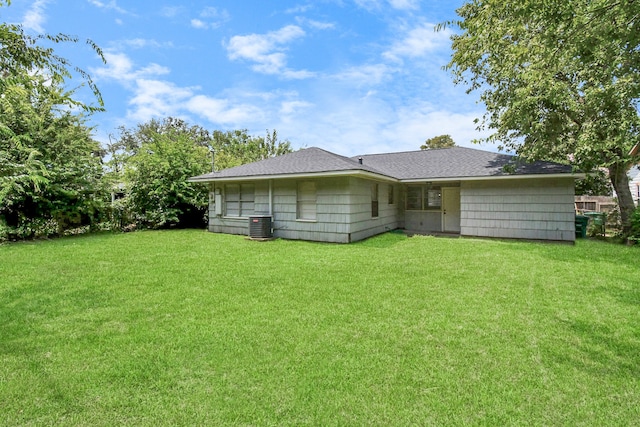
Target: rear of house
column 316, row 195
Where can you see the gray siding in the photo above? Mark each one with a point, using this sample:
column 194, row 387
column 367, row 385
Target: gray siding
column 423, row 221
column 343, row 211
column 540, row 209
column 362, row 224
column 331, row 211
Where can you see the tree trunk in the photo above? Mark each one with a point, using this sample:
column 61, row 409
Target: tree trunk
column 620, row 181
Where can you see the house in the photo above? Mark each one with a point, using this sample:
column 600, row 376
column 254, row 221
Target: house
column 634, row 184
column 313, row 194
column 595, row 204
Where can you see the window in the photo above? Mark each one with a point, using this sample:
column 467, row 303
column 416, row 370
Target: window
column 586, row 206
column 390, row 195
column 421, row 197
column 434, row 198
column 414, row 198
column 239, row 200
column 306, row 200
column 374, row 200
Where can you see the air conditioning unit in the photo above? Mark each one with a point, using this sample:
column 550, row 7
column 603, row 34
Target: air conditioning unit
column 260, row 227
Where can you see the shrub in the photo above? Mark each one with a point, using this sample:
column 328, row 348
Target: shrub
column 634, row 233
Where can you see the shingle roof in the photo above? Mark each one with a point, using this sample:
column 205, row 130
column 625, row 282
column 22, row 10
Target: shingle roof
column 305, row 161
column 456, row 162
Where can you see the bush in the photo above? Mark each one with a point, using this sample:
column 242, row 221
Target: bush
column 634, row 233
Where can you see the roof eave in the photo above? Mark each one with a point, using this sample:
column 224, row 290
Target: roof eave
column 352, row 172
column 372, row 175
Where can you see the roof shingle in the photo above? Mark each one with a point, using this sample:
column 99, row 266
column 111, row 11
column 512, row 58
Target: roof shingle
column 455, row 162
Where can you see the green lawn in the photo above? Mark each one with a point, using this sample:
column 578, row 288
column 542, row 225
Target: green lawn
column 193, row 328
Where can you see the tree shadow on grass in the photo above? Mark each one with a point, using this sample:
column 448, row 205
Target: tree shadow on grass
column 625, row 294
column 385, row 240
column 598, row 349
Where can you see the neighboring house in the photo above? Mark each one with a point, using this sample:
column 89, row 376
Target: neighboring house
column 595, row 203
column 634, row 184
column 313, row 194
column 634, row 174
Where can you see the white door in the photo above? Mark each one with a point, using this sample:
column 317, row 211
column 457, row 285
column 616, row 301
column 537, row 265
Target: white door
column 451, row 209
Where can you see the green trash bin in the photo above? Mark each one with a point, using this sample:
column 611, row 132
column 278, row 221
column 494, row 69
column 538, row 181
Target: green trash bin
column 582, row 222
column 599, row 221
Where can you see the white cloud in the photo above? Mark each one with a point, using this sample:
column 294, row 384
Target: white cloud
column 348, row 121
column 210, row 17
column 405, row 4
column 218, row 110
column 199, row 24
column 212, row 12
column 156, row 98
column 297, row 74
column 151, row 97
column 267, row 51
column 299, row 9
column 171, row 11
column 318, row 25
column 140, row 43
column 415, row 123
column 418, row 42
column 370, row 74
column 111, row 5
column 35, row 18
column 289, row 108
column 121, row 68
column 371, row 5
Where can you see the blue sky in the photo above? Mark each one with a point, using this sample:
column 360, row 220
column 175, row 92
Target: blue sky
column 349, row 76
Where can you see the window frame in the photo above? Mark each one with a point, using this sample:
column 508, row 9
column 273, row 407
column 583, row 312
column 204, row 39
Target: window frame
column 427, row 198
column 375, row 206
column 243, row 195
column 306, row 201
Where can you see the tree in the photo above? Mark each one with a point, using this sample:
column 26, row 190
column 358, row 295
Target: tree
column 159, row 156
column 50, row 167
column 596, row 183
column 237, row 147
column 20, row 51
column 154, row 161
column 560, row 80
column 50, row 179
column 441, row 141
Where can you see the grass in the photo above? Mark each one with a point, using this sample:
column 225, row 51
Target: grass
column 193, row 328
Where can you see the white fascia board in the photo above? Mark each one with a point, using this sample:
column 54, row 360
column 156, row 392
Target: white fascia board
column 490, row 178
column 359, row 173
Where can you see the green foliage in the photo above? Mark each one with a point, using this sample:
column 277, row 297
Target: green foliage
column 154, row 161
column 634, row 233
column 20, row 53
column 156, row 174
column 440, row 141
column 50, row 179
column 596, row 183
column 237, row 147
column 50, row 167
column 560, row 79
